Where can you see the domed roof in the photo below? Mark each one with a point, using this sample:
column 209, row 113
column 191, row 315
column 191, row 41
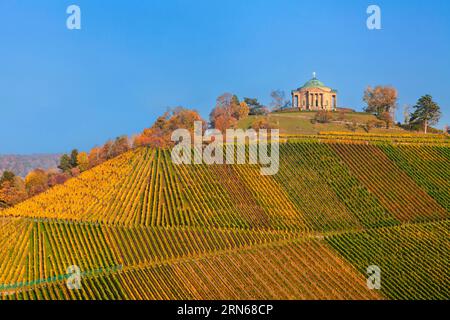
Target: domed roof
column 314, row 83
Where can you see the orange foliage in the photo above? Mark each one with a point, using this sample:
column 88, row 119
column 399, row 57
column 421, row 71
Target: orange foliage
column 12, row 192
column 227, row 112
column 36, row 182
column 380, row 99
column 159, row 135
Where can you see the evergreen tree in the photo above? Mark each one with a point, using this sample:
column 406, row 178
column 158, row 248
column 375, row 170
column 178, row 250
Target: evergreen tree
column 64, row 163
column 74, row 158
column 427, row 112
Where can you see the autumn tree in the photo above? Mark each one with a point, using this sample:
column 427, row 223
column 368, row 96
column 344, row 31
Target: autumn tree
column 95, row 157
column 160, row 133
column 387, row 118
column 36, row 182
column 120, row 145
column 182, row 118
column 240, row 109
column 228, row 111
column 7, row 176
column 83, row 161
column 155, row 135
column 427, row 112
column 106, row 150
column 380, row 99
column 55, row 178
column 12, row 191
column 222, row 116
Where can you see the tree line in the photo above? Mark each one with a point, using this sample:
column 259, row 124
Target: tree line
column 382, row 101
column 227, row 112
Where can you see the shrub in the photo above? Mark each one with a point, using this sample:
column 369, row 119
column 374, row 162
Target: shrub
column 262, row 124
column 323, row 116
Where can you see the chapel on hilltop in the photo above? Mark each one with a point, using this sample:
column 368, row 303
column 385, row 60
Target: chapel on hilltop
column 314, row 96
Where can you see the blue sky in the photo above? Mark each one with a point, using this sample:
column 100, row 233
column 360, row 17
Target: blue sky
column 132, row 59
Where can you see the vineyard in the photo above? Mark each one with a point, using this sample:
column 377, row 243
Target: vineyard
column 140, row 227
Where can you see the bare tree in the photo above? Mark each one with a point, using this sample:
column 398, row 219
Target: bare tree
column 406, row 113
column 279, row 100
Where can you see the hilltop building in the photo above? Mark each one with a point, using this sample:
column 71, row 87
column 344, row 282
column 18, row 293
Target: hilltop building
column 314, row 95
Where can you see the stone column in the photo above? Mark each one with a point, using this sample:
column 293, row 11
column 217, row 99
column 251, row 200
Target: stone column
column 293, row 100
column 308, row 101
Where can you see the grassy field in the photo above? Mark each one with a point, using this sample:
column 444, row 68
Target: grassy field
column 140, row 227
column 301, row 122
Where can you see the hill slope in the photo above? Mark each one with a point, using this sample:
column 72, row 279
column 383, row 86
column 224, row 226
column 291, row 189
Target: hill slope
column 140, row 227
column 302, row 122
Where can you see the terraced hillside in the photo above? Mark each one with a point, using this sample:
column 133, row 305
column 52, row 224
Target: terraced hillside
column 140, row 227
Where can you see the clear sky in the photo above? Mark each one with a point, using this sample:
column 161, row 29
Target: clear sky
column 132, row 59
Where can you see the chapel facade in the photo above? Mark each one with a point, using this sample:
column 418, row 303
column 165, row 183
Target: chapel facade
column 314, row 96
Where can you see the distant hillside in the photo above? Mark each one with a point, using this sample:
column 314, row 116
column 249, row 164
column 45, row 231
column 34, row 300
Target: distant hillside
column 296, row 122
column 21, row 165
